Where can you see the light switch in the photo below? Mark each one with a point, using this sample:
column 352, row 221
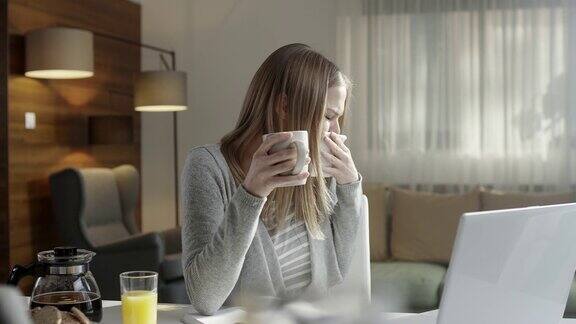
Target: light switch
column 30, row 120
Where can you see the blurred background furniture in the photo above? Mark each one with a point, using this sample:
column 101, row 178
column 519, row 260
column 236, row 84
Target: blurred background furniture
column 411, row 236
column 95, row 209
column 13, row 308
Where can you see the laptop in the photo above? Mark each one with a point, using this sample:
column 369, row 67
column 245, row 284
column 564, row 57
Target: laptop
column 508, row 267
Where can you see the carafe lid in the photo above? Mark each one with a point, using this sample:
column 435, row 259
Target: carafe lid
column 65, row 256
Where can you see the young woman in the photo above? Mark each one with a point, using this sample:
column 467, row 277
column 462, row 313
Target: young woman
column 247, row 230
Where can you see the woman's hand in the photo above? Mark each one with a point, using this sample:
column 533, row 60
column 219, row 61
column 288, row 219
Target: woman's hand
column 342, row 166
column 265, row 169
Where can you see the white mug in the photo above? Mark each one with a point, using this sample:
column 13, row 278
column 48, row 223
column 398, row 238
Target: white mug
column 300, row 141
column 324, row 148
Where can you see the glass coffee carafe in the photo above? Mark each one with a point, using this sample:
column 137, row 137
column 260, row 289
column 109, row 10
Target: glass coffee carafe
column 64, row 281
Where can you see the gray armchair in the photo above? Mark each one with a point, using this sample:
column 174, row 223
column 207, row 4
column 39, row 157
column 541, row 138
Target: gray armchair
column 95, row 210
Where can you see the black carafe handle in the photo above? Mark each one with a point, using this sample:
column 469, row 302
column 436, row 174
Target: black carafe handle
column 19, row 272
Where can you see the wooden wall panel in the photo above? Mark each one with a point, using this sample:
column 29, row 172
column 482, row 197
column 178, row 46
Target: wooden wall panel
column 62, row 110
column 4, row 238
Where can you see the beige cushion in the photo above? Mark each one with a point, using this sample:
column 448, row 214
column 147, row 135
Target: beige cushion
column 493, row 200
column 377, row 195
column 424, row 224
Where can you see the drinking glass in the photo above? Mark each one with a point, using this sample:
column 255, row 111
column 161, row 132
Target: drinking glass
column 139, row 297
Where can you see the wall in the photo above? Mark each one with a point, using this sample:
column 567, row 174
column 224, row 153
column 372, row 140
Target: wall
column 62, row 109
column 164, row 24
column 224, row 43
column 4, row 238
column 230, row 39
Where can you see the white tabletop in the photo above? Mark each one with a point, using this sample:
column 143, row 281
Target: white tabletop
column 174, row 313
column 430, row 318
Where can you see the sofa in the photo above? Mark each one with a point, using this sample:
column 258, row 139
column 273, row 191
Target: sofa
column 411, row 238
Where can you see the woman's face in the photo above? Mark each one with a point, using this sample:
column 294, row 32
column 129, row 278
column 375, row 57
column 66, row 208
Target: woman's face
column 334, row 108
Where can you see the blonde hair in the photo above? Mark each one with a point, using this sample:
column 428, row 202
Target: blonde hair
column 295, row 76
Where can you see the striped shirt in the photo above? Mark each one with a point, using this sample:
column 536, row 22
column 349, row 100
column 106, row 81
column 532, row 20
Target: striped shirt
column 293, row 252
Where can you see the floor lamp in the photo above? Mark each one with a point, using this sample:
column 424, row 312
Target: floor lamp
column 67, row 53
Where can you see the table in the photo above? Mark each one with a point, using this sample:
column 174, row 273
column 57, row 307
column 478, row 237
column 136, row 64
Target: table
column 173, row 313
column 167, row 313
column 430, row 318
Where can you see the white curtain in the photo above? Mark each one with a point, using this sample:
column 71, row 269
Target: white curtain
column 462, row 92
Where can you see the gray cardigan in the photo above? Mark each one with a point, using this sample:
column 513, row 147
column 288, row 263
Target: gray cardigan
column 227, row 251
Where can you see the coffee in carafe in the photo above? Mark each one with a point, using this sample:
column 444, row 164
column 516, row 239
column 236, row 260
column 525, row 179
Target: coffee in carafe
column 64, row 281
column 88, row 303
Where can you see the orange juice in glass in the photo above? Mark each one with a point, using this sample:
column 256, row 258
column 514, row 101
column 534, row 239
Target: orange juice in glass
column 139, row 297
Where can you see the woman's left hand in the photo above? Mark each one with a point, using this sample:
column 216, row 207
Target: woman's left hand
column 342, row 166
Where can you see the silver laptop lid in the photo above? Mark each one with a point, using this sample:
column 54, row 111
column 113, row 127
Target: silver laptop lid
column 511, row 266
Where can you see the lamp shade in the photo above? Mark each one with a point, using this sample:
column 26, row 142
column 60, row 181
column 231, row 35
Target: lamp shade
column 59, row 53
column 160, row 91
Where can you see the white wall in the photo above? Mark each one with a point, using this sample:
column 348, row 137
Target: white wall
column 220, row 44
column 164, row 24
column 230, row 39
